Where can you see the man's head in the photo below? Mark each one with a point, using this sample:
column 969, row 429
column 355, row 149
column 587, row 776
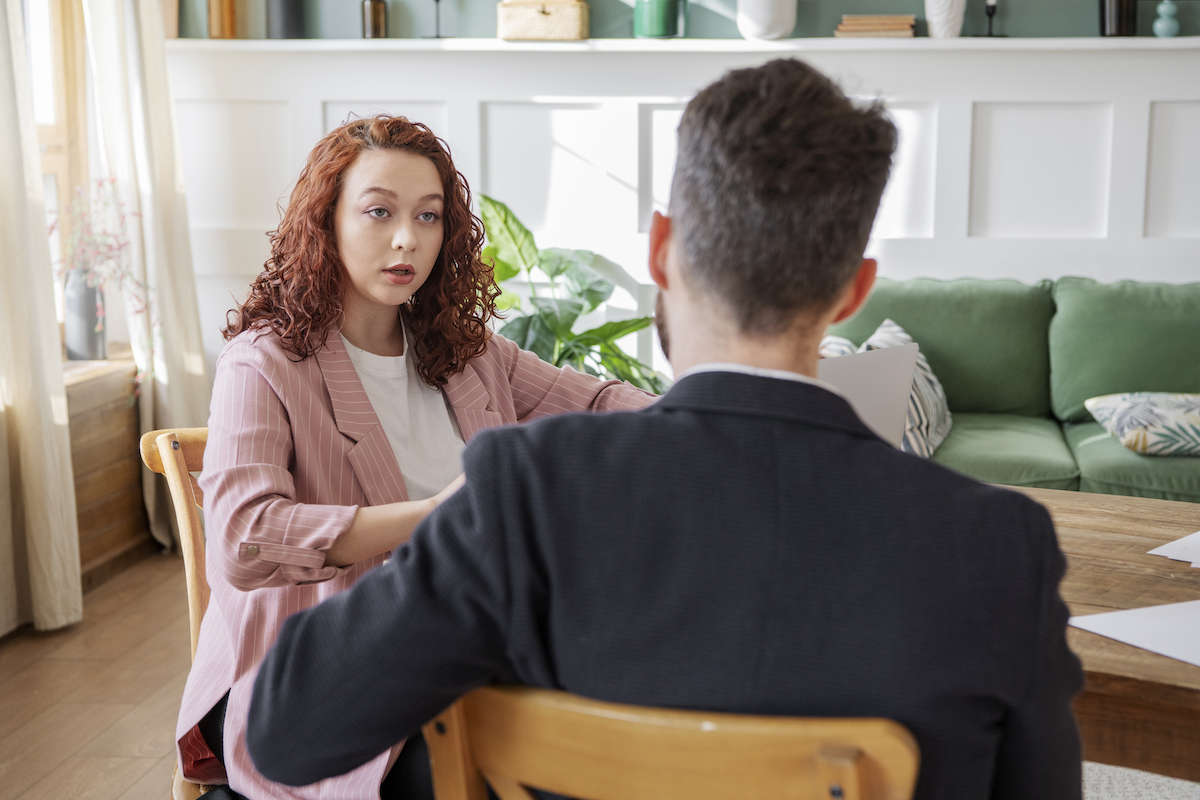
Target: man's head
column 777, row 182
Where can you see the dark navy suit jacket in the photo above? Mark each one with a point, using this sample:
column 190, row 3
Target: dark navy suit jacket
column 745, row 545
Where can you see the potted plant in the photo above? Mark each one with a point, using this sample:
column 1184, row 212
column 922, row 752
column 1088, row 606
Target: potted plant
column 96, row 254
column 544, row 322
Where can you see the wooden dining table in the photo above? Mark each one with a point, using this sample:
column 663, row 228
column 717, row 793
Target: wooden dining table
column 1138, row 709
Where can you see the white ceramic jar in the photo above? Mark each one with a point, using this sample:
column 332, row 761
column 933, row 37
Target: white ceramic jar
column 766, row 19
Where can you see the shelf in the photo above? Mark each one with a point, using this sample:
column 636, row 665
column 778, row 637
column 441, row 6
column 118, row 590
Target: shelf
column 817, row 44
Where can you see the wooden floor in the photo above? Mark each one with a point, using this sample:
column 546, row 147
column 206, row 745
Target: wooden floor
column 88, row 713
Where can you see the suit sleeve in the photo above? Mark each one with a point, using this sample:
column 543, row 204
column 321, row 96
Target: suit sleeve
column 257, row 532
column 366, row 668
column 1040, row 752
column 541, row 390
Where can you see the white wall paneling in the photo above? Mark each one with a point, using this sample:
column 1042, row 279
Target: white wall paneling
column 1040, row 170
column 432, row 114
column 1173, row 197
column 1021, row 158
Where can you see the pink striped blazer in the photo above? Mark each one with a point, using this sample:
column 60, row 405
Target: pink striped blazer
column 293, row 450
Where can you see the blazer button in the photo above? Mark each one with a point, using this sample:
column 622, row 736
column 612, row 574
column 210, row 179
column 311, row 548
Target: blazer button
column 251, row 549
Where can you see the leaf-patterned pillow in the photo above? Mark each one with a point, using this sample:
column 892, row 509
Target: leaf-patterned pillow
column 928, row 422
column 1151, row 423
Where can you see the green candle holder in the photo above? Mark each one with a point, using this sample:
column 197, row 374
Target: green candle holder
column 657, row 19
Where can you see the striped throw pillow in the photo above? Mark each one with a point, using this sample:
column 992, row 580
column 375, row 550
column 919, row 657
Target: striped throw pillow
column 928, row 423
column 1151, row 423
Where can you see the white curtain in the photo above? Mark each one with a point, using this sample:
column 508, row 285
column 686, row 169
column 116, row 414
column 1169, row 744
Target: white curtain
column 39, row 538
column 137, row 147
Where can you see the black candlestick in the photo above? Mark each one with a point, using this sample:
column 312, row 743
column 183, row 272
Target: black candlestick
column 991, row 13
column 437, row 20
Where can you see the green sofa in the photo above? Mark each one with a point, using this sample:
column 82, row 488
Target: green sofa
column 1018, row 361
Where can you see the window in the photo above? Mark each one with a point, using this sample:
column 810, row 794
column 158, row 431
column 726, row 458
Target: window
column 55, row 35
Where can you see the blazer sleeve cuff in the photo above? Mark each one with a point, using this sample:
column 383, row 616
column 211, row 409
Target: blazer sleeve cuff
column 299, row 555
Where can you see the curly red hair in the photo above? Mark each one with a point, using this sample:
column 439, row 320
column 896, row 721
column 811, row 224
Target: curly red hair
column 298, row 295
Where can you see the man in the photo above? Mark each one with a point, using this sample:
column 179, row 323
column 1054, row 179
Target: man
column 744, row 545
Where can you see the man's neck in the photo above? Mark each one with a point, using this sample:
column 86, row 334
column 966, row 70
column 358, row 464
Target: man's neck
column 787, row 353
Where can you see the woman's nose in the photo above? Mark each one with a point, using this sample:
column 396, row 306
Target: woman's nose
column 404, row 237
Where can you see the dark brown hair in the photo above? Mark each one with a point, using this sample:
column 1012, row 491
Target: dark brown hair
column 776, row 186
column 298, row 295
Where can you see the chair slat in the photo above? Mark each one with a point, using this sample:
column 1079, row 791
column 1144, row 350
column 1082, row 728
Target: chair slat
column 577, row 747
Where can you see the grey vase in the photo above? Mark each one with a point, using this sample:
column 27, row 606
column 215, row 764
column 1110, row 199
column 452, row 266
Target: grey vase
column 84, row 342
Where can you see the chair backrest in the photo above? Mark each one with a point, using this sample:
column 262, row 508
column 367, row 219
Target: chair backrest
column 177, row 453
column 514, row 737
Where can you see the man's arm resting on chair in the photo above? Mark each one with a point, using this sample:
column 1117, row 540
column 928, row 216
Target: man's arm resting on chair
column 351, row 677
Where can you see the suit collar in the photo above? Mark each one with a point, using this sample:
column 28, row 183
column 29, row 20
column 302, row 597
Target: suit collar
column 753, row 395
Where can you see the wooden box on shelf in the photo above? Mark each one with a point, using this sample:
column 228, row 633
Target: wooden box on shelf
column 103, row 418
column 532, row 20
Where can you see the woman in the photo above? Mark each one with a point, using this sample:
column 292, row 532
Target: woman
column 355, row 372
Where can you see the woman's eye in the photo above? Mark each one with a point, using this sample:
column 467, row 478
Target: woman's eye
column 378, row 213
column 428, row 216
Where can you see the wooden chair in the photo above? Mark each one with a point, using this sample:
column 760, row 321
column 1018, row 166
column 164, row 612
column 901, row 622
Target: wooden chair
column 176, row 453
column 514, row 737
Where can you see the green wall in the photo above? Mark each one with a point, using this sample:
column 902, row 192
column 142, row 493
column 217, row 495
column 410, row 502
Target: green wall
column 707, row 19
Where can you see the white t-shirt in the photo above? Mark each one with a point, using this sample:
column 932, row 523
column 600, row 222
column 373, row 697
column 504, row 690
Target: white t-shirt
column 416, row 418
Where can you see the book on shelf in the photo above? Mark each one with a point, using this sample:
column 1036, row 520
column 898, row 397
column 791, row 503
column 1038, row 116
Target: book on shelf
column 885, row 25
column 874, row 27
column 867, row 34
column 878, row 17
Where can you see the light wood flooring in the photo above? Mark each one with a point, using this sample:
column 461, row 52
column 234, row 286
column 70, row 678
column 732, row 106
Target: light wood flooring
column 88, row 713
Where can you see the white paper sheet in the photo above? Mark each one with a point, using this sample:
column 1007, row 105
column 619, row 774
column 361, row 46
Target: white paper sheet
column 1171, row 630
column 1185, row 549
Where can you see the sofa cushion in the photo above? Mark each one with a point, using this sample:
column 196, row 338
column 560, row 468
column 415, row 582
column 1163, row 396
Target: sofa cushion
column 1151, row 423
column 1121, row 337
column 1010, row 448
column 928, row 420
column 985, row 340
column 1108, row 468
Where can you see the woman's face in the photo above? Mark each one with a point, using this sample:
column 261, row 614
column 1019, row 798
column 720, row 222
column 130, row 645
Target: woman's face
column 388, row 226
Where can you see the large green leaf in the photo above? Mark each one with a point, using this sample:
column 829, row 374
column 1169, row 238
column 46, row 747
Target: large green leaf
column 559, row 314
column 533, row 334
column 513, row 242
column 502, row 270
column 622, row 367
column 609, row 332
column 508, row 300
column 554, row 261
column 588, row 285
column 575, row 353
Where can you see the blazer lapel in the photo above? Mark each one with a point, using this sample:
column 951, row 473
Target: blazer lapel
column 471, row 402
column 372, row 457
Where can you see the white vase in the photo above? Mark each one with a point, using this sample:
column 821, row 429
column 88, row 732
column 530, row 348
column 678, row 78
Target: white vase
column 766, row 19
column 944, row 17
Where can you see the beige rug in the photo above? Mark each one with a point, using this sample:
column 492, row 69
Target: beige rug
column 1102, row 782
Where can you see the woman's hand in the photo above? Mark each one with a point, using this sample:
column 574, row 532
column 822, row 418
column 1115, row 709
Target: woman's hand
column 381, row 529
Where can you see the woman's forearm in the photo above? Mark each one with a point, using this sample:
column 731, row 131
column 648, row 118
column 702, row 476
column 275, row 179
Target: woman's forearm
column 381, row 529
column 378, row 529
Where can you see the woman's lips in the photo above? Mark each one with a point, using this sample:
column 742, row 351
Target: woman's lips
column 400, row 275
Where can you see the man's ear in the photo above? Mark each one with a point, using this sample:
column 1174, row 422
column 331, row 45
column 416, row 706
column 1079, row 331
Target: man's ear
column 660, row 246
column 860, row 287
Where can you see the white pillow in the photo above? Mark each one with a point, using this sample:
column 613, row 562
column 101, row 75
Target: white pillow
column 928, row 423
column 1151, row 423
